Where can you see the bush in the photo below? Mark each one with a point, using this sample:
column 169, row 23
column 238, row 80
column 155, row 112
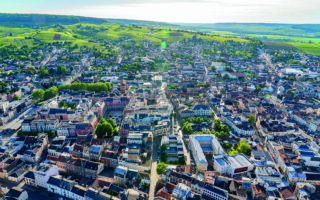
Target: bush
column 161, row 167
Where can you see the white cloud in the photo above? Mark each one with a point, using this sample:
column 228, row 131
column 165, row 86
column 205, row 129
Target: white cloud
column 204, row 11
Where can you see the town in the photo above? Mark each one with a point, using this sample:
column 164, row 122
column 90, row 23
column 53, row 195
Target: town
column 190, row 119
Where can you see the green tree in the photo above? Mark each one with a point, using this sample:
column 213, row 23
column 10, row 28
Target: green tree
column 163, row 148
column 182, row 161
column 101, row 131
column 225, row 129
column 43, row 73
column 217, row 124
column 109, row 129
column 257, row 90
column 37, row 94
column 15, row 98
column 212, row 114
column 187, row 128
column 112, row 122
column 161, row 167
column 62, row 70
column 50, row 93
column 252, row 119
column 163, row 158
column 174, row 115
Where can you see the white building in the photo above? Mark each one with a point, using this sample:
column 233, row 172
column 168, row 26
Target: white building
column 174, row 145
column 181, row 192
column 230, row 165
column 202, row 110
column 58, row 185
column 202, row 144
column 43, row 173
column 214, row 193
column 242, row 128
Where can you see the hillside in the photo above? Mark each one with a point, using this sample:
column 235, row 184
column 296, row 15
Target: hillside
column 42, row 19
column 24, row 29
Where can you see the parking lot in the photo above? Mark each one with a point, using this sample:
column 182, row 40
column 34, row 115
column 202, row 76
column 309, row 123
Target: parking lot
column 116, row 116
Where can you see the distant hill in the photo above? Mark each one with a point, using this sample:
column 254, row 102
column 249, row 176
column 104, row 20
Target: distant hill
column 144, row 23
column 297, row 30
column 42, row 19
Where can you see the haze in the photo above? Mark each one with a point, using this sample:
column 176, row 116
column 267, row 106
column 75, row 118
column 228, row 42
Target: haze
column 201, row 11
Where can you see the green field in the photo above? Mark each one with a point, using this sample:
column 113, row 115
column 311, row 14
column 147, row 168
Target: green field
column 25, row 29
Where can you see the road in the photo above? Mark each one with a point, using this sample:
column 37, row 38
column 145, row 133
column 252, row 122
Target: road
column 154, row 176
column 271, row 66
column 16, row 123
column 185, row 149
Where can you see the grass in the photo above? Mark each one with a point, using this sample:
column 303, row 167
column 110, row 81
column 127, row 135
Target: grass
column 85, row 34
column 307, row 48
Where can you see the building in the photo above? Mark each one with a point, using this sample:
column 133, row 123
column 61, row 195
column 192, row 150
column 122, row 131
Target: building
column 58, row 185
column 174, row 145
column 216, row 193
column 17, row 193
column 231, row 165
column 204, row 144
column 43, row 173
column 201, row 110
column 181, row 192
column 239, row 126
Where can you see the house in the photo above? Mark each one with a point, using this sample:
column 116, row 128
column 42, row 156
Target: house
column 16, row 193
column 58, row 185
column 110, row 158
column 166, row 191
column 125, row 176
column 174, row 145
column 29, row 178
column 43, row 173
column 213, row 192
column 119, row 176
column 181, row 192
column 201, row 110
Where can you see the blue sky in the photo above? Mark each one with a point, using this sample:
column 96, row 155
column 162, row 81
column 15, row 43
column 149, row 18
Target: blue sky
column 193, row 11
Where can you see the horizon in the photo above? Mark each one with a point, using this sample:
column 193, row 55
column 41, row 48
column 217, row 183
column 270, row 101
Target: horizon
column 177, row 11
column 170, row 23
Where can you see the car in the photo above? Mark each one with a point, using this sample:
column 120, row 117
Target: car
column 21, row 118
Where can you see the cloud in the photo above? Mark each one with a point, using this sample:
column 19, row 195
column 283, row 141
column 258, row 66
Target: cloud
column 204, row 11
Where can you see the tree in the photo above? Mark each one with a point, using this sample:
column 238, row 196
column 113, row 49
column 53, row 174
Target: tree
column 163, row 148
column 15, row 98
column 174, row 115
column 252, row 119
column 112, row 122
column 105, row 128
column 182, row 161
column 212, row 114
column 217, row 124
column 161, row 167
column 101, row 130
column 187, row 128
column 43, row 73
column 183, row 122
column 257, row 90
column 225, row 129
column 37, row 94
column 50, row 93
column 226, row 77
column 163, row 158
column 244, row 148
column 109, row 129
column 62, row 70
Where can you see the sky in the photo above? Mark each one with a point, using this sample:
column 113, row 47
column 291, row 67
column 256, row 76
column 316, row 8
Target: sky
column 177, row 11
